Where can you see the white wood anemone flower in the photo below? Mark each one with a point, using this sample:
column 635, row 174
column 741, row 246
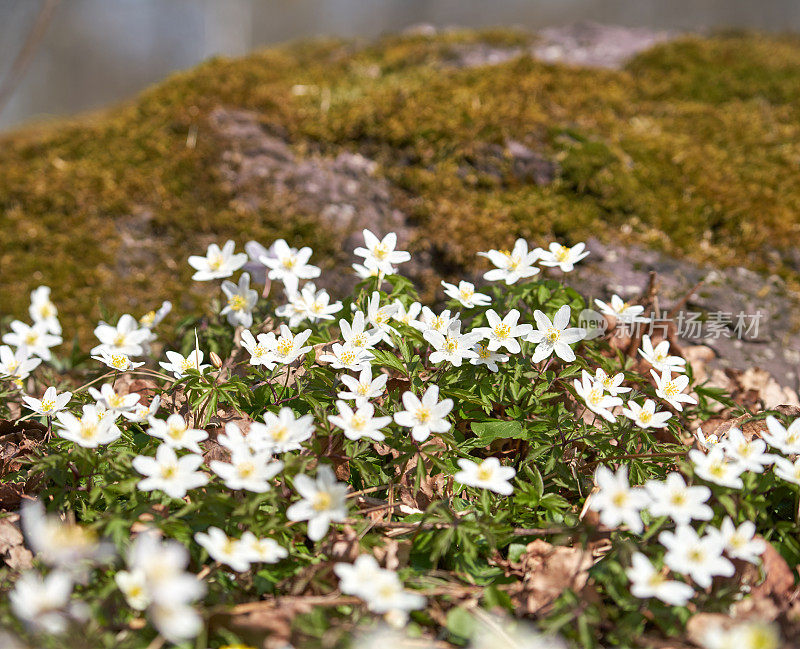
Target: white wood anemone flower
column 511, row 266
column 647, row 581
column 179, row 365
column 167, row 472
column 622, row 310
column 381, row 253
column 364, row 387
column 699, row 557
column 347, row 357
column 111, row 400
column 281, row 432
column 126, row 337
column 453, row 347
column 17, row 365
column 223, row 548
column 671, row 389
column 289, row 265
column 659, row 356
column 119, row 362
column 465, row 294
column 488, row 474
column 33, row 338
column 50, row 403
column 616, row 501
column 218, row 263
column 426, row 415
column 240, row 300
column 43, row 311
column 248, row 470
column 680, row 502
column 785, row 439
column 502, row 333
column 360, row 422
column 175, row 432
column 94, row 428
column 715, row 466
column 561, row 256
column 322, row 502
column 556, row 336
column 646, row 416
column 483, row 356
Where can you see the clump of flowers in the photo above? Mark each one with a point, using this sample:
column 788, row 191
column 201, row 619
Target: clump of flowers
column 335, row 461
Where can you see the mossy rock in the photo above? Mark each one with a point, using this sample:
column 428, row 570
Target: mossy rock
column 693, row 148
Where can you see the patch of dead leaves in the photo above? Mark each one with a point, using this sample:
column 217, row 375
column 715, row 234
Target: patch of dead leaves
column 12, row 549
column 545, row 571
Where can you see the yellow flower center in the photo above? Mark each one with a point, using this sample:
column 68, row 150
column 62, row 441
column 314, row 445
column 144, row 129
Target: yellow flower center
column 620, row 499
column 46, row 310
column 359, row 340
column 678, row 498
column 246, row 469
column 215, row 262
column 718, row 469
column 187, row 364
column 31, row 338
column 483, row 351
column 502, row 330
column 88, row 430
column 115, row 401
column 321, row 502
column 380, row 251
column 176, row 432
column 169, row 471
column 553, row 334
column 437, row 323
column 48, row 405
column 119, row 361
column 285, row 346
column 595, row 396
column 358, row 422
column 451, row 344
column 562, row 254
column 280, row 433
column 466, row 294
column 484, row 474
column 363, row 389
column 288, row 262
column 696, row 555
column 148, row 319
column 237, row 302
column 423, row 415
column 645, row 416
column 670, row 389
column 348, row 357
column 259, row 350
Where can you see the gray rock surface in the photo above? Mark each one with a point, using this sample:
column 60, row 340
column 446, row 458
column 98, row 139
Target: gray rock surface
column 713, row 311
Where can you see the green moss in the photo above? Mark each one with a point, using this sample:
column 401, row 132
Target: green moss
column 694, row 146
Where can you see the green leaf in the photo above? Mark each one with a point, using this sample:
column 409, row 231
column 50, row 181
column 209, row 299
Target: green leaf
column 490, row 430
column 461, row 623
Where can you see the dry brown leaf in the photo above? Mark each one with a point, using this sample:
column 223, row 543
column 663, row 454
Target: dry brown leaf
column 701, row 623
column 12, row 548
column 547, row 571
column 779, row 578
column 343, row 544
